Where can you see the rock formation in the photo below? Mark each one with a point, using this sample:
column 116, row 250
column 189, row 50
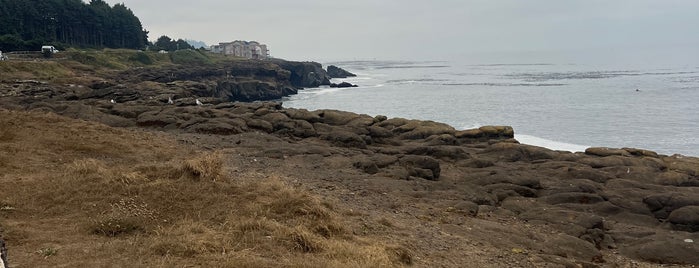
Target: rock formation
column 337, row 72
column 342, row 85
column 304, row 74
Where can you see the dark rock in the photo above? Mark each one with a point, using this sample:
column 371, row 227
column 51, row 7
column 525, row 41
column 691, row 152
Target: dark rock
column 304, row 74
column 640, row 152
column 504, row 190
column 581, row 198
column 219, row 126
column 337, row 72
column 604, row 151
column 367, row 166
column 445, row 152
column 572, row 247
column 589, row 174
column 478, row 163
column 513, row 152
column 663, row 204
column 664, row 248
column 466, row 207
column 685, row 218
column 421, row 166
column 250, row 91
column 101, row 84
column 342, row 85
column 345, row 139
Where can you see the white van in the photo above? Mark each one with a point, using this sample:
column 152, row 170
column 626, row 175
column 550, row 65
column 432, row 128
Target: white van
column 2, row 57
column 48, row 49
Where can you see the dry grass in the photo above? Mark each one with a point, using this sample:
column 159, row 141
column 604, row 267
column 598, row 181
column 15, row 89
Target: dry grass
column 87, row 195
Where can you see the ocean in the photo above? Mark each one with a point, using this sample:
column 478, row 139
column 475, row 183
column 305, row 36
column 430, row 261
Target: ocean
column 559, row 106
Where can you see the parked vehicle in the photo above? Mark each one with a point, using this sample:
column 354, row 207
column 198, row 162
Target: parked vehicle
column 3, row 57
column 50, row 49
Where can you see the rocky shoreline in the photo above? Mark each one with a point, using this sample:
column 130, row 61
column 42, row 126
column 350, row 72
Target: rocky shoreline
column 569, row 209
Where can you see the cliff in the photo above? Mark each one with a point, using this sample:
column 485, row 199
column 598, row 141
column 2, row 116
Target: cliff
column 304, row 74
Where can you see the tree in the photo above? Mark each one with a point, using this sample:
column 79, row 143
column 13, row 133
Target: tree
column 69, row 22
column 166, row 43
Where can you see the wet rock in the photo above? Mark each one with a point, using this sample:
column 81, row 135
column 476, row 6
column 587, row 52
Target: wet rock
column 342, row 85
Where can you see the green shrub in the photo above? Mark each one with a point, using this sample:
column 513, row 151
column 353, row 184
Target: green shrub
column 189, row 57
column 142, row 58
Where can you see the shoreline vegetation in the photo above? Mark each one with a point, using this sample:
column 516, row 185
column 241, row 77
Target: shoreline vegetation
column 130, row 158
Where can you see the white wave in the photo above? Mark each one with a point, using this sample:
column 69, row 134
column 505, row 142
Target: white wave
column 553, row 145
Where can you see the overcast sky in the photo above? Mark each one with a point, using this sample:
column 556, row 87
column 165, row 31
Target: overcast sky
column 420, row 29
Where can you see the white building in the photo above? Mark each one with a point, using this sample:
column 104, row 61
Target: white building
column 243, row 49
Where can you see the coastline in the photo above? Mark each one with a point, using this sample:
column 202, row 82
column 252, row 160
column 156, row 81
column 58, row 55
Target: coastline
column 435, row 191
column 590, row 104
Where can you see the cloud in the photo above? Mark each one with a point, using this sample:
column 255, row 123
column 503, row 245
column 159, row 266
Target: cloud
column 321, row 29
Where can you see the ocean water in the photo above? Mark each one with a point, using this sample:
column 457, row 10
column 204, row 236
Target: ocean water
column 558, row 106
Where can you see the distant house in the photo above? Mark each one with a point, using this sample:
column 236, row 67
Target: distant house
column 243, row 49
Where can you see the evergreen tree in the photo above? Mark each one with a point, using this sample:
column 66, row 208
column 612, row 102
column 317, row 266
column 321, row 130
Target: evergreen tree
column 26, row 24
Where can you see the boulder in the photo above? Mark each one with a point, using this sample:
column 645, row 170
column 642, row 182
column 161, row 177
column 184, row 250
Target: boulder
column 685, row 219
column 345, row 139
column 665, row 248
column 421, row 166
column 662, row 205
column 337, row 72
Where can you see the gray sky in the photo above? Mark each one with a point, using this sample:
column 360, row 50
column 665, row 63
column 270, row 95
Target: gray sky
column 420, row 29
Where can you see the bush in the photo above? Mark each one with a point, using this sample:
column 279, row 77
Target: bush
column 189, row 57
column 142, row 58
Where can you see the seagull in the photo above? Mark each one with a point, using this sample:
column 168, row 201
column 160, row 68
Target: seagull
column 199, row 102
column 112, row 101
column 169, row 100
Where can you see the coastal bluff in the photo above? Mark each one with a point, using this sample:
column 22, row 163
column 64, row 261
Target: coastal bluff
column 446, row 196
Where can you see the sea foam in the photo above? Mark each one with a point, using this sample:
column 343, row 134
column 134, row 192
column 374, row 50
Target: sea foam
column 553, row 145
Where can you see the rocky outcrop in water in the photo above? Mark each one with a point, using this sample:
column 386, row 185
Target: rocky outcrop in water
column 304, row 74
column 337, row 72
column 342, row 85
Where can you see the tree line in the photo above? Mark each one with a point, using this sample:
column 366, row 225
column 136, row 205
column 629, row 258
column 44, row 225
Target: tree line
column 28, row 24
